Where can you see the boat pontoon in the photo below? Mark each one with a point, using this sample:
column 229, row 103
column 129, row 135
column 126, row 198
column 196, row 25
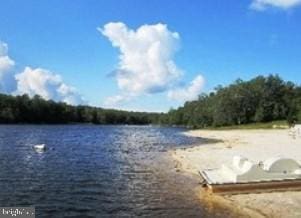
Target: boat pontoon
column 245, row 176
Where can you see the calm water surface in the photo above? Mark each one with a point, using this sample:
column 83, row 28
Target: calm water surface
column 97, row 171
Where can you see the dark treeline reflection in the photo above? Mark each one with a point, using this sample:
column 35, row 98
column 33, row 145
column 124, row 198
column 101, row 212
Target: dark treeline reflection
column 261, row 99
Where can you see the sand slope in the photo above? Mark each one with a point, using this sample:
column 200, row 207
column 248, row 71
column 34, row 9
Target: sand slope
column 256, row 145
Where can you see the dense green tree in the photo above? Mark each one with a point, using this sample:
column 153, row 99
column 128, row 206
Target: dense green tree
column 261, row 99
column 23, row 109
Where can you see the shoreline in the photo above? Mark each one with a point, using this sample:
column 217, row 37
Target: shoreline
column 221, row 145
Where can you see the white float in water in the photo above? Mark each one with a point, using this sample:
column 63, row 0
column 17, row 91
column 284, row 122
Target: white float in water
column 40, row 148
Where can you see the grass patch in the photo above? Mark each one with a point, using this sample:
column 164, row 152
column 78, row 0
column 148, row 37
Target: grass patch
column 281, row 124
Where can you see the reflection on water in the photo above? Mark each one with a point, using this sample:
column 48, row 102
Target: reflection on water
column 96, row 171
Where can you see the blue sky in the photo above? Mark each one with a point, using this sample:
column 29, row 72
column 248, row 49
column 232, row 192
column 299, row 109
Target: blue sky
column 219, row 41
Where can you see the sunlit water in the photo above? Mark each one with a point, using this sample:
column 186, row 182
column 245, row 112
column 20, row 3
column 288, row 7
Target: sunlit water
column 97, row 171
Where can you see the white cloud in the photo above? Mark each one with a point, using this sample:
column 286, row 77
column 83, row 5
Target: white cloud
column 264, row 4
column 6, row 64
column 34, row 81
column 146, row 63
column 189, row 93
column 46, row 84
column 115, row 100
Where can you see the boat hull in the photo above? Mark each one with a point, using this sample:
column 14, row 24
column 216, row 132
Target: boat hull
column 254, row 187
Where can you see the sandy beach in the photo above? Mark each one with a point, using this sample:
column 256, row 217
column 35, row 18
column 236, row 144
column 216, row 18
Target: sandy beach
column 257, row 145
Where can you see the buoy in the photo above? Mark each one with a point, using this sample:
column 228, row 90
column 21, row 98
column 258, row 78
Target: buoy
column 40, row 148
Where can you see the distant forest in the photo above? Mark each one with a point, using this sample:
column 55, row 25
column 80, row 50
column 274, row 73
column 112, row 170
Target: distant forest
column 23, row 109
column 261, row 99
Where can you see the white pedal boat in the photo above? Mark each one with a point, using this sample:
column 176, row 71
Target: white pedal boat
column 244, row 176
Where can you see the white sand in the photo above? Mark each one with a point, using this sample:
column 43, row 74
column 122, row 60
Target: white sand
column 257, row 145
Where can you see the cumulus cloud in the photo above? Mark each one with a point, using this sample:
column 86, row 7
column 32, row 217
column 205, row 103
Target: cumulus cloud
column 188, row 93
column 46, row 84
column 282, row 4
column 115, row 100
column 6, row 64
column 34, row 81
column 146, row 63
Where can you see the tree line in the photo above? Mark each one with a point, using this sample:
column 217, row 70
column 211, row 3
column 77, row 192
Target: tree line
column 261, row 99
column 23, row 109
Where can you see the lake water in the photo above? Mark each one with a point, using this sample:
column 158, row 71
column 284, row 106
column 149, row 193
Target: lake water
column 97, row 171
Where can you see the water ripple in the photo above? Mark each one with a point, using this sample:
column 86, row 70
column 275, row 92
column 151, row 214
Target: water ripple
column 94, row 171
